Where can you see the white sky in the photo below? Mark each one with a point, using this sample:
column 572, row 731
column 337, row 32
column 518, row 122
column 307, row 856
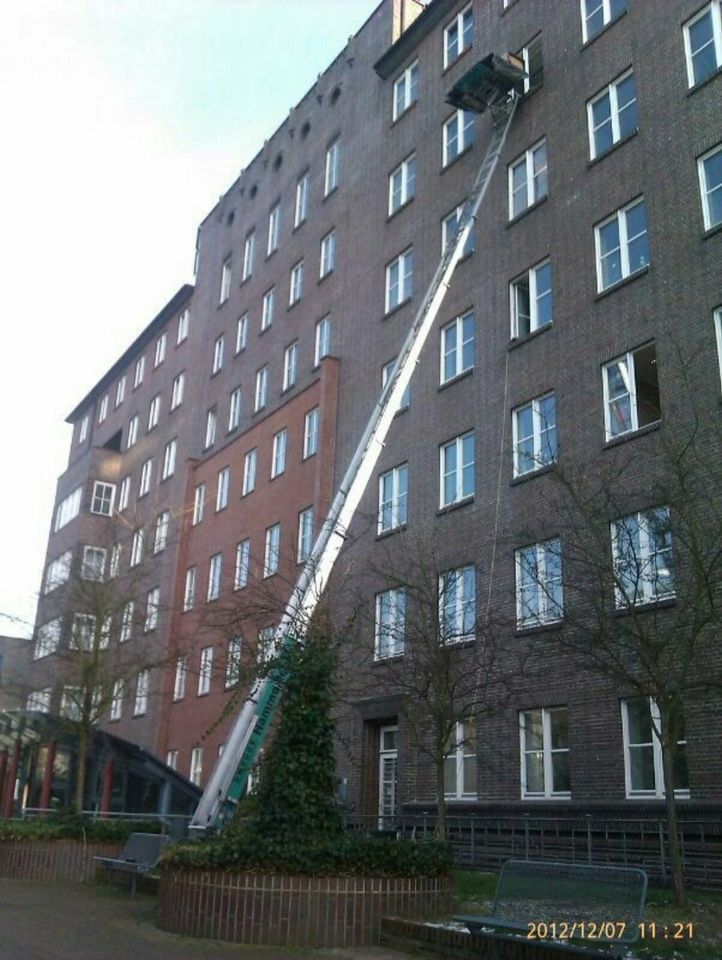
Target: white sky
column 123, row 122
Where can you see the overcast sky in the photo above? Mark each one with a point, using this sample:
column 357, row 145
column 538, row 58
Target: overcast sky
column 123, row 122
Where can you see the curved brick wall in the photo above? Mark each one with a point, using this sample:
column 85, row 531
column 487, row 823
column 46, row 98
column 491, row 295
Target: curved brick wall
column 292, row 911
column 51, row 860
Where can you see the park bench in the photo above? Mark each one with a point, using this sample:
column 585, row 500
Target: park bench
column 139, row 855
column 565, row 906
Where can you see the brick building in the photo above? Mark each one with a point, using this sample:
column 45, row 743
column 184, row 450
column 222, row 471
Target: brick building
column 584, row 316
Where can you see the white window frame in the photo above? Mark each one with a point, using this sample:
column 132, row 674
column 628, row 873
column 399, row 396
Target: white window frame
column 463, row 747
column 241, row 333
column 534, row 194
column 171, row 759
column 132, row 437
column 300, row 207
column 606, row 6
column 390, row 634
column 458, row 444
column 406, row 90
column 250, row 470
column 332, row 167
column 260, row 393
column 154, row 412
column 327, row 257
column 136, row 548
column 226, row 277
column 139, row 372
column 199, row 503
column 531, row 278
column 305, row 535
column 58, row 572
column 234, row 409
column 538, row 435
column 385, row 374
column 124, row 494
column 629, row 360
column 397, row 503
column 177, row 390
column 322, row 340
column 142, row 684
column 457, row 25
column 243, row 560
column 223, row 488
column 233, row 663
column 151, row 609
column 93, row 563
column 103, row 409
column 170, row 453
column 249, row 246
column 645, row 591
column 278, row 454
column 83, row 431
column 211, row 426
column 68, row 509
column 184, row 319
column 295, row 285
column 126, row 622
column 159, row 355
column 658, row 792
column 103, row 498
column 311, row 430
column 189, row 589
column 47, row 639
column 464, row 137
column 196, row 768
column 402, row 184
column 116, row 702
column 548, row 751
column 274, row 229
column 290, row 365
column 460, row 579
column 704, row 192
column 39, row 700
column 401, row 289
column 218, row 351
column 610, row 91
column 268, row 308
column 215, row 574
column 717, row 318
column 715, row 9
column 548, row 610
column 446, row 231
column 120, row 391
column 621, row 217
column 457, row 352
column 272, row 552
column 181, row 675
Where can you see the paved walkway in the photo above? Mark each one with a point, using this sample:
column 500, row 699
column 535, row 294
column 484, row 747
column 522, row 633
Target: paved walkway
column 94, row 922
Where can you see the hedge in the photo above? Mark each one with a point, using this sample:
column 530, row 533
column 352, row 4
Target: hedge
column 71, row 826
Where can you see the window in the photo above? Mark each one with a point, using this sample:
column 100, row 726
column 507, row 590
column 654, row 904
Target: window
column 136, row 548
column 278, row 458
column 323, row 340
column 199, row 503
column 534, row 429
column 151, row 609
column 393, row 498
column 116, row 702
column 103, row 409
column 159, row 356
column 189, row 590
column 295, row 291
column 631, row 392
column 328, row 254
column 124, row 494
column 531, row 300
column 305, row 535
column 642, row 554
column 449, row 229
column 93, row 565
column 58, row 572
column 114, row 565
column 458, row 135
column 399, row 279
column 171, row 759
column 139, row 372
column 218, row 347
column 402, row 184
column 539, row 594
column 528, row 183
column 718, row 336
column 68, row 509
column 103, row 497
column 215, row 570
column 248, row 250
column 460, row 763
column 83, row 634
column 242, row 333
column 386, row 372
column 132, row 432
column 71, row 703
column 120, row 392
column 243, row 558
column 532, row 56
column 142, row 684
column 223, row 488
column 310, row 433
column 273, row 549
column 269, row 299
column 390, row 624
column 274, row 224
column 333, row 156
column 234, row 409
column 126, row 621
column 457, row 347
column 181, row 673
column 458, row 35
column 211, row 423
column 612, row 115
column 261, row 392
column 703, row 43
column 643, row 764
column 196, row 771
column 622, row 245
column 154, row 412
column 250, row 465
column 47, row 639
column 406, row 89
column 169, row 457
column 83, row 432
column 204, row 674
column 233, row 662
column 544, row 737
column 183, row 325
column 39, row 700
column 710, row 181
column 290, row 366
column 457, row 605
column 162, row 522
column 176, row 397
column 300, row 210
column 225, row 281
column 457, row 469
column 596, row 14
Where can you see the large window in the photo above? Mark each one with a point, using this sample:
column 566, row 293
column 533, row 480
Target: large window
column 406, row 89
column 250, row 465
column 457, row 605
column 58, row 572
column 116, row 702
column 710, row 182
column 386, row 372
column 393, row 498
column 127, row 621
column 643, row 763
column 596, row 14
column 327, row 260
column 642, row 553
column 269, row 299
column 139, row 372
column 528, row 180
column 612, row 115
column 310, row 433
column 205, row 672
column 68, row 509
column 539, row 591
column 531, row 300
column 457, row 347
column 124, row 493
column 300, row 210
column 631, row 392
column 718, row 337
column 703, row 43
column 169, row 458
column 260, row 395
column 160, row 345
column 622, row 245
column 199, row 503
column 534, row 434
column 223, row 488
column 305, row 535
column 93, row 564
column 233, row 662
column 290, row 365
column 248, row 250
column 120, row 391
column 196, row 769
column 242, row 333
column 545, row 753
column 399, row 279
column 176, row 397
column 322, row 344
column 154, row 412
column 278, row 454
column 273, row 550
column 331, row 172
column 402, row 183
column 189, row 591
column 215, row 571
column 234, row 409
column 456, row 469
column 152, row 605
column 457, row 135
column 183, row 324
column 243, row 560
column 142, row 685
column 458, row 35
column 47, row 639
column 274, row 226
column 162, row 523
column 218, row 351
column 460, row 762
column 295, row 288
column 532, row 55
column 226, row 273
column 181, row 673
column 390, row 624
column 211, row 424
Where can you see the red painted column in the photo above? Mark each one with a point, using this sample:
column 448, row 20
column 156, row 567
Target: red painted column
column 11, row 778
column 3, row 768
column 107, row 787
column 48, row 776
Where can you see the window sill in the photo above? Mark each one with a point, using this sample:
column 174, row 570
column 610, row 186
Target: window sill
column 270, row 254
column 400, row 208
column 703, row 83
column 525, row 338
column 508, row 7
column 646, row 607
column 331, row 192
column 632, row 434
column 527, row 210
column 607, row 26
column 532, row 474
column 621, row 283
column 405, row 113
column 380, row 661
column 299, row 225
column 614, row 147
column 717, row 228
column 324, row 276
column 385, row 534
column 455, row 379
column 456, row 505
column 291, row 306
column 450, row 66
column 399, row 306
column 536, row 798
column 245, row 280
column 449, row 164
column 678, row 795
column 539, row 628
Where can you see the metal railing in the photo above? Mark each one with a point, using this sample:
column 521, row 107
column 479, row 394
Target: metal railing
column 174, row 824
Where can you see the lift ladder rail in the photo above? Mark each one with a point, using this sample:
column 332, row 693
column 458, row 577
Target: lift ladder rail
column 228, row 779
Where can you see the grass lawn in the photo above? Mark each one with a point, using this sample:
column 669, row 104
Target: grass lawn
column 475, row 895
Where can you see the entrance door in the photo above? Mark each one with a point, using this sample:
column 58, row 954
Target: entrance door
column 388, row 777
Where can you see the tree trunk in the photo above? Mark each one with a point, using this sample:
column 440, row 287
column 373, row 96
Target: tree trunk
column 83, row 739
column 440, row 801
column 675, row 849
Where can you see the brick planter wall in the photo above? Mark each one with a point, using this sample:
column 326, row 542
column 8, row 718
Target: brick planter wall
column 292, row 911
column 50, row 860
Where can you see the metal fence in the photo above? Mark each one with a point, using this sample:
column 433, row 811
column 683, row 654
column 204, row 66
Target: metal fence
column 174, row 824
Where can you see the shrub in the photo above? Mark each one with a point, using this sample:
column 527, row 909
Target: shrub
column 68, row 825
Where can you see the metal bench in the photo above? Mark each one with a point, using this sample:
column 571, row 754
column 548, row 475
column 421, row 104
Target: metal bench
column 139, row 855
column 563, row 905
